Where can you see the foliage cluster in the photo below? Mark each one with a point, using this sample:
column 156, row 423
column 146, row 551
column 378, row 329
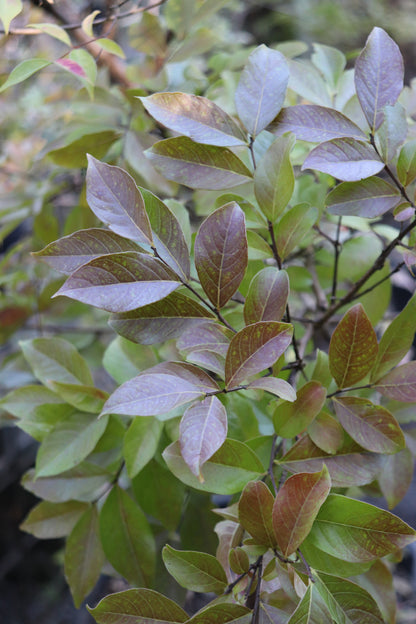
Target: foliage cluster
column 277, row 378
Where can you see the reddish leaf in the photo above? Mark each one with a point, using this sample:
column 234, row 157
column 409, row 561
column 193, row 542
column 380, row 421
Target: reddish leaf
column 221, row 253
column 267, row 296
column 345, row 159
column 120, row 282
column 255, row 348
column 72, row 66
column 255, row 513
column 369, row 198
column 396, row 476
column 399, row 384
column 114, row 197
column 208, row 336
column 378, row 76
column 371, row 426
column 326, row 432
column 290, row 419
column 202, row 431
column 296, row 506
column 353, row 348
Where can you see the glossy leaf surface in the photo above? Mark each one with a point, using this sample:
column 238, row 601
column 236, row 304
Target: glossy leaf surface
column 345, row 159
column 290, row 419
column 51, row 520
column 311, row 609
column 267, row 296
column 347, row 601
column 142, row 606
column 255, row 513
column 222, row 613
column 195, row 571
column 274, row 385
column 369, row 198
column 399, row 384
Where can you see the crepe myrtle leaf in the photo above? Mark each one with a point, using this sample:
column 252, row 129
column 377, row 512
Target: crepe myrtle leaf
column 255, row 348
column 296, row 506
column 202, row 430
column 221, row 253
column 396, row 476
column 379, row 75
column 276, row 386
column 208, row 336
column 392, row 132
column 261, row 90
column 255, row 513
column 52, row 520
column 295, row 224
column 326, row 432
column 290, row 419
column 347, row 601
column 187, row 372
column 222, row 613
column 195, row 571
column 345, row 159
column 311, row 609
column 115, row 199
column 406, row 163
column 196, row 165
column 267, row 296
column 70, row 252
column 195, row 117
column 316, row 124
column 120, row 282
column 399, row 384
column 369, row 198
column 353, row 347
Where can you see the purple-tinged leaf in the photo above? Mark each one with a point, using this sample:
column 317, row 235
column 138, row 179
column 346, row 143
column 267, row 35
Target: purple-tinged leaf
column 202, row 431
column 315, row 124
column 197, row 165
column 392, row 132
column 295, row 224
column 378, row 76
column 209, row 360
column 267, row 296
column 396, row 476
column 350, row 466
column 70, row 252
column 195, row 117
column 52, row 520
column 406, row 163
column 399, row 384
column 261, row 90
column 369, row 198
column 138, row 605
column 168, row 237
column 72, row 66
column 296, row 506
column 84, row 483
column 290, row 419
column 115, row 199
column 195, row 571
column 356, row 531
column 221, row 253
column 276, row 386
column 378, row 581
column 353, row 347
column 208, row 336
column 161, row 320
column 345, row 159
column 187, row 372
column 373, row 427
column 120, row 282
column 84, row 556
column 255, row 348
column 255, row 513
column 326, row 433
column 274, row 179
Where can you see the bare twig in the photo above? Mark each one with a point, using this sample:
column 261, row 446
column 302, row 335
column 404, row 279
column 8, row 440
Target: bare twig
column 337, row 251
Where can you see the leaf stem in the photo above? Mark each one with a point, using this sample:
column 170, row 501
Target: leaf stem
column 307, row 566
column 352, row 388
column 337, row 251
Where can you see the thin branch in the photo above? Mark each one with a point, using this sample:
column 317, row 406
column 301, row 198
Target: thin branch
column 390, row 173
column 337, row 251
column 351, row 389
column 307, row 566
column 251, row 148
column 256, row 609
column 380, row 281
column 273, row 244
column 273, row 453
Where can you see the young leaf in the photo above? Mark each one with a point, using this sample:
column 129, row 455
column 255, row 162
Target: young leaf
column 197, row 165
column 127, row 538
column 396, row 476
column 378, row 76
column 255, row 513
column 315, row 124
column 143, row 606
column 140, row 443
column 392, row 132
column 345, row 159
column 399, row 384
column 24, row 70
column 371, row 426
column 295, row 224
column 276, row 386
column 8, row 11
column 356, row 531
column 115, row 199
column 406, row 163
column 202, row 431
column 369, row 198
column 326, row 432
column 84, row 556
column 221, row 253
column 120, row 282
column 296, row 506
column 353, row 348
column 255, row 348
column 195, row 117
column 267, row 296
column 70, row 252
column 52, row 520
column 195, row 571
column 290, row 419
column 208, row 336
column 274, row 180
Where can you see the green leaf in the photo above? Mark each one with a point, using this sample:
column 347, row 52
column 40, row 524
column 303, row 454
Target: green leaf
column 392, row 132
column 202, row 430
column 345, row 159
column 8, row 10
column 261, row 90
column 111, row 47
column 255, row 348
column 369, row 198
column 195, row 117
column 399, row 384
column 84, row 556
column 143, row 606
column 52, row 520
column 406, row 163
column 255, row 513
column 221, row 253
column 85, row 398
column 55, row 359
column 53, row 30
column 322, row 561
column 223, row 613
column 127, row 538
column 330, row 62
column 24, row 70
column 373, row 427
column 88, row 23
column 396, row 476
column 290, row 419
column 197, row 165
column 326, row 433
column 353, row 348
column 195, row 571
column 311, row 609
column 378, row 581
column 296, row 506
column 226, row 472
column 71, row 441
column 295, row 224
column 140, row 443
column 74, row 154
column 356, row 531
column 274, row 180
column 307, row 81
